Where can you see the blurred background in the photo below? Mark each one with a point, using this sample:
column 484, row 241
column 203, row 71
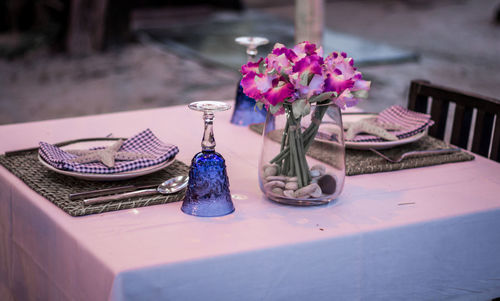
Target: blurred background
column 65, row 58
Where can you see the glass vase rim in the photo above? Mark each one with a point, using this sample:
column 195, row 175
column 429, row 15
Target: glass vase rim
column 316, row 104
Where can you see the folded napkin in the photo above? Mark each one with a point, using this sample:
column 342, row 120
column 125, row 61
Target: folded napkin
column 410, row 123
column 143, row 143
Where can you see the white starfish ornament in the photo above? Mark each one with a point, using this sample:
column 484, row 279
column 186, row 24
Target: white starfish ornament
column 106, row 155
column 371, row 126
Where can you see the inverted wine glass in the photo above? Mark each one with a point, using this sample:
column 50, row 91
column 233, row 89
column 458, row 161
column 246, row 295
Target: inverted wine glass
column 245, row 112
column 207, row 192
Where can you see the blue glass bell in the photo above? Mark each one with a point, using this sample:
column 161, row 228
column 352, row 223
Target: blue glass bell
column 245, row 112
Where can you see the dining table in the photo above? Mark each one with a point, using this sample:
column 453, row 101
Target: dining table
column 428, row 233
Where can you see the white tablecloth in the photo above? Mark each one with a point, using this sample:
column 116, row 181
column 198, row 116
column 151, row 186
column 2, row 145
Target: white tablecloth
column 422, row 234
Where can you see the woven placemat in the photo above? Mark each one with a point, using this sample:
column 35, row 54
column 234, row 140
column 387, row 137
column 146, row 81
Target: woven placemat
column 57, row 187
column 364, row 161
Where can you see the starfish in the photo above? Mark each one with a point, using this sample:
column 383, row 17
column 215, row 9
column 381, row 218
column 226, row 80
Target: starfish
column 106, row 155
column 371, row 126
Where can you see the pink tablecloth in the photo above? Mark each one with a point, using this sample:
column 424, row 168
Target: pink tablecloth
column 423, row 234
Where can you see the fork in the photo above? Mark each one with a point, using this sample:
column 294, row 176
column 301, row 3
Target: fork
column 400, row 157
column 63, row 143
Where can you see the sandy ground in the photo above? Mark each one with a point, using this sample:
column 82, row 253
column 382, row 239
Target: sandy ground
column 457, row 42
column 135, row 77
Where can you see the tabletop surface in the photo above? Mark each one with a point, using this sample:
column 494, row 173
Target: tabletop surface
column 162, row 235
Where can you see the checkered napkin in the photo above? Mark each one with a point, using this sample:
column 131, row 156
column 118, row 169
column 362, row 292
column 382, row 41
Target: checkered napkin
column 145, row 143
column 411, row 123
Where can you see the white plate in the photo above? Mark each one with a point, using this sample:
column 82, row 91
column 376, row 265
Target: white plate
column 104, row 177
column 384, row 144
column 377, row 145
column 108, row 177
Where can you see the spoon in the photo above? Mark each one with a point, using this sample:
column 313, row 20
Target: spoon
column 170, row 186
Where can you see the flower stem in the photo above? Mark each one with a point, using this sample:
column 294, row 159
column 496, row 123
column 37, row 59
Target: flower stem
column 292, row 165
column 285, row 161
column 307, row 137
column 294, row 157
column 285, row 135
column 295, row 143
column 313, row 128
column 302, row 156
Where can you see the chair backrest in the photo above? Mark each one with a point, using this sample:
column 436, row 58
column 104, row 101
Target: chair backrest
column 467, row 108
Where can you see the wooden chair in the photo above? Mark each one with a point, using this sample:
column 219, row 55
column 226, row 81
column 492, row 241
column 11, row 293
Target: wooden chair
column 486, row 129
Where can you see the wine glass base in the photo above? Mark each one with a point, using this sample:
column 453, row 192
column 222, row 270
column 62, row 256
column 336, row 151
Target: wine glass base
column 209, row 106
column 195, row 212
column 301, row 202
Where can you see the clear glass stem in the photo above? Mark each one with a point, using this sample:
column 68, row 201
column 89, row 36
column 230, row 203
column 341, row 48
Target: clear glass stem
column 208, row 142
column 251, row 53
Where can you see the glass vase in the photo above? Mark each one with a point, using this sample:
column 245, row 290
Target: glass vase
column 302, row 159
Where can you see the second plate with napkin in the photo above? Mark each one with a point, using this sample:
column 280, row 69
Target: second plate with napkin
column 396, row 125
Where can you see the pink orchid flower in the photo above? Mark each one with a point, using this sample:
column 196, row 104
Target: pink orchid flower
column 250, row 85
column 251, row 67
column 336, row 82
column 280, row 49
column 307, row 49
column 311, row 64
column 256, row 85
column 361, row 84
column 346, row 99
column 341, row 74
column 280, row 91
column 315, row 87
column 301, row 72
column 280, row 63
column 264, row 82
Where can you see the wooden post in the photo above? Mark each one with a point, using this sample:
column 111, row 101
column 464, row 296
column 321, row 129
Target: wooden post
column 309, row 21
column 86, row 26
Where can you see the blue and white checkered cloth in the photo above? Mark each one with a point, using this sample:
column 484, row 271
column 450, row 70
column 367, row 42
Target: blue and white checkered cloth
column 411, row 123
column 145, row 143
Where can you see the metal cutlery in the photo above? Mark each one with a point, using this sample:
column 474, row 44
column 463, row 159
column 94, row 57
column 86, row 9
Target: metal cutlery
column 108, row 191
column 170, row 186
column 401, row 157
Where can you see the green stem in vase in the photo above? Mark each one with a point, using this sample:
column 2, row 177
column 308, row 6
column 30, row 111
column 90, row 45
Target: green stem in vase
column 307, row 138
column 285, row 135
column 286, row 165
column 294, row 156
column 313, row 128
column 297, row 152
column 302, row 157
column 294, row 146
column 285, row 161
column 285, row 152
column 291, row 169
